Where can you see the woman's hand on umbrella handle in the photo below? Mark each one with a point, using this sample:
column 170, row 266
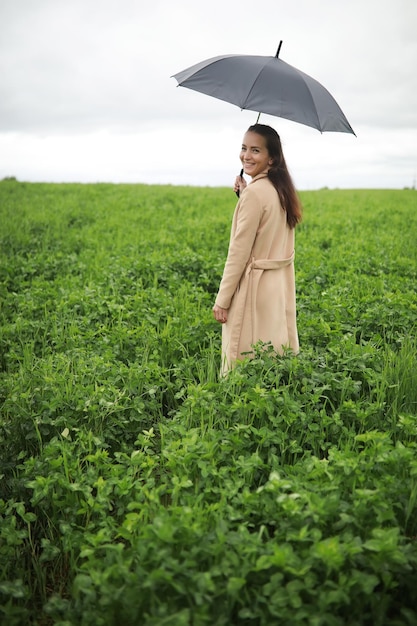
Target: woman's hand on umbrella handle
column 240, row 184
column 220, row 314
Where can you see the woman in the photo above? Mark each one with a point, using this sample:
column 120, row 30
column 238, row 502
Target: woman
column 256, row 298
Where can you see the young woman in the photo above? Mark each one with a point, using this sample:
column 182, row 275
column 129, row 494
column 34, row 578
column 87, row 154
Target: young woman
column 256, row 298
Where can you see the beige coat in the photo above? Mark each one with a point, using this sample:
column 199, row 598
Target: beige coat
column 258, row 284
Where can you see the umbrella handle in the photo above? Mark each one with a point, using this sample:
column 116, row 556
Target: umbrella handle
column 241, row 174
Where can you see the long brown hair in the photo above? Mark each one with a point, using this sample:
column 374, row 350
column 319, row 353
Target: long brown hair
column 279, row 175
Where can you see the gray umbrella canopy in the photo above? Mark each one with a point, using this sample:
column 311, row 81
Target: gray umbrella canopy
column 267, row 85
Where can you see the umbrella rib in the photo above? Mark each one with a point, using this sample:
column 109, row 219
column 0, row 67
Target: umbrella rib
column 321, row 126
column 318, row 126
column 302, row 74
column 254, row 83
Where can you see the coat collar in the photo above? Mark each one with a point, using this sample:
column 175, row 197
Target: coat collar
column 258, row 177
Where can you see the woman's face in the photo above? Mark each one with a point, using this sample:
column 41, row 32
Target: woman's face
column 254, row 154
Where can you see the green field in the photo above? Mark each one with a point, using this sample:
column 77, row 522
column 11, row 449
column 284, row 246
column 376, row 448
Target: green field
column 139, row 488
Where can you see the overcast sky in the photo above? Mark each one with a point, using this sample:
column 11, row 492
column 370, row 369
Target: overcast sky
column 86, row 92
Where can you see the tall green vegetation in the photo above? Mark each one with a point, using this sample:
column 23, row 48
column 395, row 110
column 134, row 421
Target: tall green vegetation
column 138, row 487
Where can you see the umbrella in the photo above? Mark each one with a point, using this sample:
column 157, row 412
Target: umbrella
column 267, row 84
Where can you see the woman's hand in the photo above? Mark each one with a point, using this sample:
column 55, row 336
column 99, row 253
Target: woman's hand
column 220, row 314
column 240, row 184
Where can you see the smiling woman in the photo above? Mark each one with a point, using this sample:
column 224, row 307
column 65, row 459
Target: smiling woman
column 254, row 155
column 256, row 299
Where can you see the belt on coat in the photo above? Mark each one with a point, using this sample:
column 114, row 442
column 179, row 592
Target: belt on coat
column 269, row 264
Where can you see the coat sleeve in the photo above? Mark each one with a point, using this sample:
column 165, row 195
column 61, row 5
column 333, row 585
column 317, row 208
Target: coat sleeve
column 248, row 217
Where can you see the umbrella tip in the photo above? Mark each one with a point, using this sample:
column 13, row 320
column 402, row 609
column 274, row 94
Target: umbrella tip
column 279, row 49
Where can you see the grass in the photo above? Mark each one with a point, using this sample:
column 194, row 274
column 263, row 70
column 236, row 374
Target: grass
column 138, row 486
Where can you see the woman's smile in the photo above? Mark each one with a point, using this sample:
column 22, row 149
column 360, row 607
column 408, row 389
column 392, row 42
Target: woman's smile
column 254, row 154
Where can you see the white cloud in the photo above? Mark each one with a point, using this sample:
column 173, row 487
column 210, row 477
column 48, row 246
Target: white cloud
column 87, row 93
